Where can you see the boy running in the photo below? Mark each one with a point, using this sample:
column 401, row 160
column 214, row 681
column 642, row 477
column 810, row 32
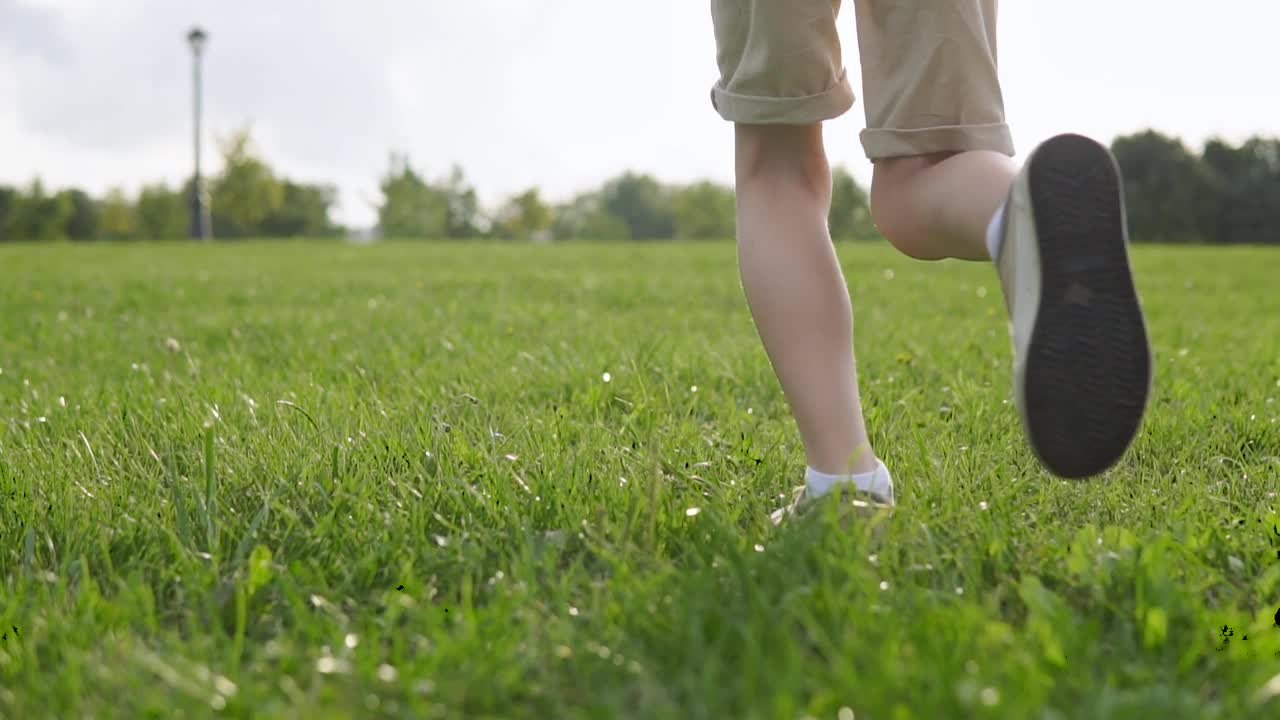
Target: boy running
column 944, row 186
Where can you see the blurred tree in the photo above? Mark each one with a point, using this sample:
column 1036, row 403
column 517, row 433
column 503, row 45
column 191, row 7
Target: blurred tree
column 1168, row 190
column 38, row 216
column 585, row 218
column 9, row 199
column 116, row 220
column 704, row 211
column 1222, row 194
column 643, row 204
column 162, row 214
column 524, row 217
column 411, row 207
column 604, row 225
column 1247, row 181
column 303, row 211
column 463, row 217
column 246, row 192
column 82, row 223
column 850, row 215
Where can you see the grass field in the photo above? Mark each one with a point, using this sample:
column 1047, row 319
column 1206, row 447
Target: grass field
column 323, row 481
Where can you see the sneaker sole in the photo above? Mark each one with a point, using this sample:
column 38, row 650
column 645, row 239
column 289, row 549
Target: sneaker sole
column 1088, row 367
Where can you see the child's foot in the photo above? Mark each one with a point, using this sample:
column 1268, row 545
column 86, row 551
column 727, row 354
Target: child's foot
column 859, row 495
column 1082, row 358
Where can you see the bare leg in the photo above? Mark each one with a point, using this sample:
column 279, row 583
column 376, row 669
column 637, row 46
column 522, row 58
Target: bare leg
column 933, row 207
column 796, row 290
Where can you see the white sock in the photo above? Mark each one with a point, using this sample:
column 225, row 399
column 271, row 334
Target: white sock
column 994, row 234
column 877, row 481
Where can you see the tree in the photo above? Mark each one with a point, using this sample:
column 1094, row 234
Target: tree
column 585, row 218
column 704, row 211
column 462, row 219
column 642, row 204
column 1246, row 180
column 850, row 215
column 116, row 218
column 162, row 214
column 524, row 216
column 38, row 216
column 82, row 222
column 304, row 211
column 246, row 192
column 9, row 199
column 411, row 207
column 1167, row 189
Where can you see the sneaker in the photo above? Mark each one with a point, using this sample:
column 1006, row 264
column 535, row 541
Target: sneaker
column 853, row 500
column 1081, row 356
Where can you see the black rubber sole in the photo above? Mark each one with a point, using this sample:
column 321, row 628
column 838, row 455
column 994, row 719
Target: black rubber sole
column 1088, row 366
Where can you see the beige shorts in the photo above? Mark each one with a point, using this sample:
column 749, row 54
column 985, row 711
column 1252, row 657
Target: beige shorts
column 929, row 79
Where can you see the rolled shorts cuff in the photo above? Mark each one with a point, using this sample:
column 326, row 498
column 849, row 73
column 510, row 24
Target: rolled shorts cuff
column 807, row 110
column 879, row 143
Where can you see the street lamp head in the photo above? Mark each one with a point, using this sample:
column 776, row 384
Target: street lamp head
column 197, row 38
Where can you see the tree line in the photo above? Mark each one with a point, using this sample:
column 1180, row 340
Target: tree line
column 1221, row 193
column 249, row 199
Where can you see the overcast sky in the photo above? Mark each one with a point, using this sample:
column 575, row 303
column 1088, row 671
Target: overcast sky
column 558, row 93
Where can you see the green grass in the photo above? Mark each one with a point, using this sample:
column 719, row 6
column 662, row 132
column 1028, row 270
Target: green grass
column 218, row 525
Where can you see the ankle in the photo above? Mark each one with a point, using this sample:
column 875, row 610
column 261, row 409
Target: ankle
column 876, row 480
column 861, row 461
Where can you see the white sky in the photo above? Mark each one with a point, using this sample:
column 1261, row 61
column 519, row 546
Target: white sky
column 557, row 93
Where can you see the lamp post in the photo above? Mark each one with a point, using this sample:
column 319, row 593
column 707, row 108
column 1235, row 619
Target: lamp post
column 200, row 225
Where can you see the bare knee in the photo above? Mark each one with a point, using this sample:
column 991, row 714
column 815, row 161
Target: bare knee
column 790, row 156
column 895, row 205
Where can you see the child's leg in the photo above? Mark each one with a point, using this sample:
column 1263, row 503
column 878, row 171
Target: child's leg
column 936, row 128
column 781, row 77
column 796, row 290
column 944, row 187
column 939, row 206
